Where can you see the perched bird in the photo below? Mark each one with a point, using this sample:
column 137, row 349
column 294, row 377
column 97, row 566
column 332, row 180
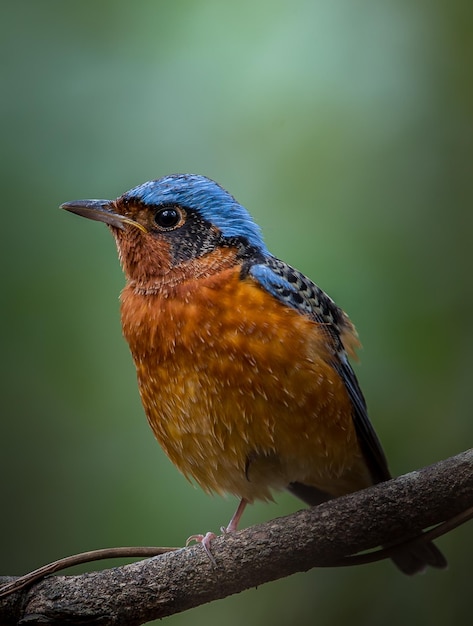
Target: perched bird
column 242, row 361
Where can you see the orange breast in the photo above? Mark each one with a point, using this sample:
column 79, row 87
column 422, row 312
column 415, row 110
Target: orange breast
column 238, row 389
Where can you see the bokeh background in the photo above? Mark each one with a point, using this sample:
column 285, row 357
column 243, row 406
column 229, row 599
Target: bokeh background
column 347, row 130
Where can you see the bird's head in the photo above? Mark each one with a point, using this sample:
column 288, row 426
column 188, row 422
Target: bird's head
column 167, row 225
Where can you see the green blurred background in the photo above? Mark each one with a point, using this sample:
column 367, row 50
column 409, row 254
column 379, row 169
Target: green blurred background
column 347, row 129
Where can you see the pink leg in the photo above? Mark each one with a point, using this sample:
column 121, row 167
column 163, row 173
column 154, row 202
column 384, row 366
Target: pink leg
column 233, row 524
column 206, row 539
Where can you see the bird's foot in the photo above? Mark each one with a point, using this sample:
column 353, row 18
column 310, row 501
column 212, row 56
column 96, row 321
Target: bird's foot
column 205, row 540
column 226, row 530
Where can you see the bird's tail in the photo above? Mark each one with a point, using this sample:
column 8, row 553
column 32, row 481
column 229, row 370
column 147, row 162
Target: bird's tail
column 411, row 558
column 414, row 558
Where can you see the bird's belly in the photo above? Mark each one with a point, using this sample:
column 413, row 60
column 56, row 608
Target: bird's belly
column 240, row 391
column 247, row 412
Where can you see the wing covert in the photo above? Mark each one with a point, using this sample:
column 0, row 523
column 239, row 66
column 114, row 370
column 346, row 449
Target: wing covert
column 294, row 289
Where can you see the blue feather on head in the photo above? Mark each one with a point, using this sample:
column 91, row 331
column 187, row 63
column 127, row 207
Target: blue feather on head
column 206, row 197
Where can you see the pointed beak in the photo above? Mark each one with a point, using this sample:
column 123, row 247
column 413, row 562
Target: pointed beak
column 100, row 211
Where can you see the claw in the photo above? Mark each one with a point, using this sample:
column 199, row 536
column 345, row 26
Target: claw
column 205, row 540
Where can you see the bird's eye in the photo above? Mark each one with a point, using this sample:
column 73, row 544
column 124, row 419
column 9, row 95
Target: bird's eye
column 168, row 218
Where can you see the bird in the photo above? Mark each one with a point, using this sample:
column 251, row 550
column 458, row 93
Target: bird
column 242, row 361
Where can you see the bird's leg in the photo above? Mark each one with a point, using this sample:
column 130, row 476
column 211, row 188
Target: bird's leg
column 206, row 539
column 233, row 524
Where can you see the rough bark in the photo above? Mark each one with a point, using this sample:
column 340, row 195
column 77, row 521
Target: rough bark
column 133, row 594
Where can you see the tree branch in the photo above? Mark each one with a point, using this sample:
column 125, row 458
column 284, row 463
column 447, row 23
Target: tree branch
column 392, row 512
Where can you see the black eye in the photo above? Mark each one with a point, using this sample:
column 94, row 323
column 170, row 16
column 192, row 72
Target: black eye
column 167, row 218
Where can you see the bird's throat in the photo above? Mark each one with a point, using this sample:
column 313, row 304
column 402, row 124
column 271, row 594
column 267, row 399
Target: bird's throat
column 174, row 279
